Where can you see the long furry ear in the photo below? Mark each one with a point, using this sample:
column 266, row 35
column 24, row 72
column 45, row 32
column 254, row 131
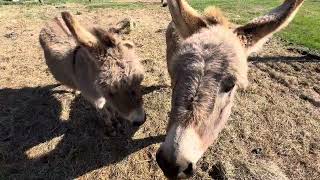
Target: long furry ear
column 82, row 35
column 256, row 33
column 186, row 19
column 125, row 26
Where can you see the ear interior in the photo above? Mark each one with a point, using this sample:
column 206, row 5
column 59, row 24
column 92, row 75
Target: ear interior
column 256, row 33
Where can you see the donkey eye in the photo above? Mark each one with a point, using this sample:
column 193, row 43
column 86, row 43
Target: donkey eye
column 227, row 84
column 190, row 103
column 110, row 94
column 132, row 93
column 228, row 88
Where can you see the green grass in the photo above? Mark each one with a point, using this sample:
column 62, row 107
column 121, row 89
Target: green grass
column 91, row 5
column 303, row 31
column 117, row 5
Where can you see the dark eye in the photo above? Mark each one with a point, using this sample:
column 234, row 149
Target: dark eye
column 132, row 93
column 228, row 84
column 190, row 103
column 110, row 94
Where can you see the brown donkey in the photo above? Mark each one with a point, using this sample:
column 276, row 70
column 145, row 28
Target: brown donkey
column 207, row 62
column 99, row 64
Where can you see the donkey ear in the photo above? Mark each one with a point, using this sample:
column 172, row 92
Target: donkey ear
column 186, row 19
column 128, row 44
column 256, row 33
column 123, row 27
column 82, row 35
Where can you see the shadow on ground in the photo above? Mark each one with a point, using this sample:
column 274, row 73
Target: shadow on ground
column 31, row 116
column 284, row 59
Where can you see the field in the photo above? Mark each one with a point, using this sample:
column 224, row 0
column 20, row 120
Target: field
column 307, row 22
column 47, row 132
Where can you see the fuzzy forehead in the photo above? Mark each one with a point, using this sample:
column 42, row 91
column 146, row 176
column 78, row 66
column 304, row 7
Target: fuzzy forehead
column 121, row 76
column 202, row 62
column 120, row 70
column 221, row 51
column 214, row 50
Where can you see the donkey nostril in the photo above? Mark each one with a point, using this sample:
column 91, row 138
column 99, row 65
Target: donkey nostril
column 189, row 171
column 169, row 169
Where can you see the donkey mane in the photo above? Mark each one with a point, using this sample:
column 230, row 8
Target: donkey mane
column 215, row 16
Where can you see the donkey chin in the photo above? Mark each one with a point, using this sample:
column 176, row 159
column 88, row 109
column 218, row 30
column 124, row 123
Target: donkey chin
column 136, row 117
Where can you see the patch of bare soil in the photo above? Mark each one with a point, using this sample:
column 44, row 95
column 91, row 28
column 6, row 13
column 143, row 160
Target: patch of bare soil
column 46, row 132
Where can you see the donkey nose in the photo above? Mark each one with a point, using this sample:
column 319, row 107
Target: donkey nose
column 189, row 171
column 172, row 170
column 169, row 170
column 186, row 170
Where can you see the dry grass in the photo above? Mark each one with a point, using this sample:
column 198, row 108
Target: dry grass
column 46, row 132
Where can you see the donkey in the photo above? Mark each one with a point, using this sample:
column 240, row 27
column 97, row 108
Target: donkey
column 104, row 68
column 207, row 63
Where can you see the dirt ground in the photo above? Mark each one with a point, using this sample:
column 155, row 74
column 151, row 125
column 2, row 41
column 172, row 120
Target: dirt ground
column 46, row 132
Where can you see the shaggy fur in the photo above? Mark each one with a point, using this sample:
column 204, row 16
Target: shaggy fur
column 197, row 69
column 215, row 16
column 99, row 64
column 207, row 62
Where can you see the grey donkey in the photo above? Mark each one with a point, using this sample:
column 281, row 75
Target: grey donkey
column 207, row 63
column 96, row 62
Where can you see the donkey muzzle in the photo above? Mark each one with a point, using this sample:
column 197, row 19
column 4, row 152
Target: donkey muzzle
column 173, row 170
column 137, row 117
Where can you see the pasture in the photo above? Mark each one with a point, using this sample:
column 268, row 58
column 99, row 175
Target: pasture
column 47, row 132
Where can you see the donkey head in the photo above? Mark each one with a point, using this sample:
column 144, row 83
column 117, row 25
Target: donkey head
column 207, row 67
column 119, row 72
